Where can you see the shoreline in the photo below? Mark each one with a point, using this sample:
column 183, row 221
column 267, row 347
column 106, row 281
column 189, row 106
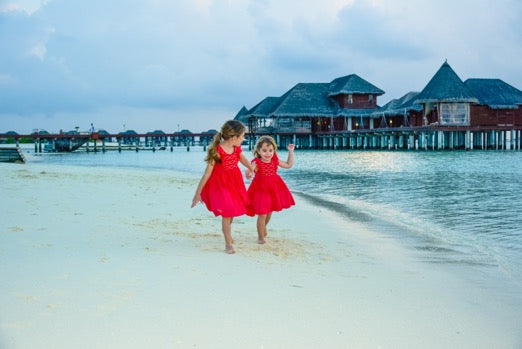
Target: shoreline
column 116, row 258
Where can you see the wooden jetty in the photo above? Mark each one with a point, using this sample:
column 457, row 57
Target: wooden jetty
column 433, row 137
column 11, row 154
column 95, row 141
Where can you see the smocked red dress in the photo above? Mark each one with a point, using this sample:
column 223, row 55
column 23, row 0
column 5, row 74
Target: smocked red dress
column 267, row 192
column 224, row 194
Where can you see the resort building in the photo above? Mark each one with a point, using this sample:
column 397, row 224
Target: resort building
column 446, row 100
column 346, row 103
column 347, row 107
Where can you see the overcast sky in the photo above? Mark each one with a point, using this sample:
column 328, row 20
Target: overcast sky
column 192, row 64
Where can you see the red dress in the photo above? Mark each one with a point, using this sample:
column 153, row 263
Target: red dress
column 267, row 192
column 224, row 194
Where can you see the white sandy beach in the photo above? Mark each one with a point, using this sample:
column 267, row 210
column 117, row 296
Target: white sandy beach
column 115, row 258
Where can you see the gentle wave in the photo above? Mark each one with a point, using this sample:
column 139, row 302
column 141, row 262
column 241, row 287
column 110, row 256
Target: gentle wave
column 415, row 233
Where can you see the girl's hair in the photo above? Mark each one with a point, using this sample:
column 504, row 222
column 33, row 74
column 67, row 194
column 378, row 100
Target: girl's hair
column 262, row 140
column 231, row 128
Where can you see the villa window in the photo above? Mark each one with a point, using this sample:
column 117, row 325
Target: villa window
column 370, row 98
column 350, row 99
column 285, row 122
column 454, row 114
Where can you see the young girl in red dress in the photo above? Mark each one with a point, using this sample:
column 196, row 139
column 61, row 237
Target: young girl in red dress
column 267, row 192
column 222, row 188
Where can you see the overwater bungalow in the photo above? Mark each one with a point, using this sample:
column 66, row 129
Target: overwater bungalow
column 128, row 139
column 156, row 138
column 345, row 113
column 205, row 140
column 184, row 138
column 499, row 104
column 448, row 101
column 104, row 135
column 345, row 103
column 401, row 112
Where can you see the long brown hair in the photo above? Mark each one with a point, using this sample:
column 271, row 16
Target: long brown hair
column 262, row 140
column 231, row 128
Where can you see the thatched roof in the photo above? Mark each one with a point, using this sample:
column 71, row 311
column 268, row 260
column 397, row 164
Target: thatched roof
column 305, row 99
column 445, row 86
column 352, row 84
column 156, row 132
column 241, row 114
column 265, row 107
column 495, row 93
column 40, row 132
column 401, row 105
column 211, row 131
column 313, row 100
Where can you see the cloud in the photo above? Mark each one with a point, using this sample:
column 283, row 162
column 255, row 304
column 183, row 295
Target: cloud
column 369, row 31
column 71, row 57
column 27, row 6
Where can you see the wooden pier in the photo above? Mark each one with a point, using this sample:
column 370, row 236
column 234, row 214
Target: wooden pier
column 66, row 142
column 421, row 138
column 11, row 154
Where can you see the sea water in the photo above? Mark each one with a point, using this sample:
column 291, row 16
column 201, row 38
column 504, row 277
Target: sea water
column 460, row 210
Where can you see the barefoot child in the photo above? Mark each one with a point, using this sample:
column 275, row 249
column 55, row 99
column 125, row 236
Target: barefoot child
column 267, row 192
column 222, row 188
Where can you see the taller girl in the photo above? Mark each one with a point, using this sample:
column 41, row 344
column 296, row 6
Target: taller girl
column 222, row 188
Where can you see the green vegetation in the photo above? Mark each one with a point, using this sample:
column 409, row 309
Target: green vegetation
column 13, row 141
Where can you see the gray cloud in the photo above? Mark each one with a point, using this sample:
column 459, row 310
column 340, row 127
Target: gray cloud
column 78, row 58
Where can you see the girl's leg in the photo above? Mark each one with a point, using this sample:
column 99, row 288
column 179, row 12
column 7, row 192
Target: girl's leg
column 226, row 225
column 261, row 228
column 231, row 221
column 268, row 216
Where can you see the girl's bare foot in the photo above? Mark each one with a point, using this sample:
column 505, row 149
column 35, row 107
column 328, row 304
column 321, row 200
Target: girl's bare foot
column 229, row 249
column 261, row 241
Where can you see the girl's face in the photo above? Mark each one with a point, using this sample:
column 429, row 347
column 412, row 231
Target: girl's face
column 266, row 152
column 238, row 139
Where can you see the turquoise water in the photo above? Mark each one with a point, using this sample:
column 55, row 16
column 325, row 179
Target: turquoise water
column 460, row 208
column 453, row 208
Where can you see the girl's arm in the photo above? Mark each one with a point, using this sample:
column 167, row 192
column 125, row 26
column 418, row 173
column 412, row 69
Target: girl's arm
column 290, row 162
column 202, row 182
column 247, row 164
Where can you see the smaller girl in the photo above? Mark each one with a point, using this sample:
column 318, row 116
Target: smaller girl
column 267, row 192
column 222, row 188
